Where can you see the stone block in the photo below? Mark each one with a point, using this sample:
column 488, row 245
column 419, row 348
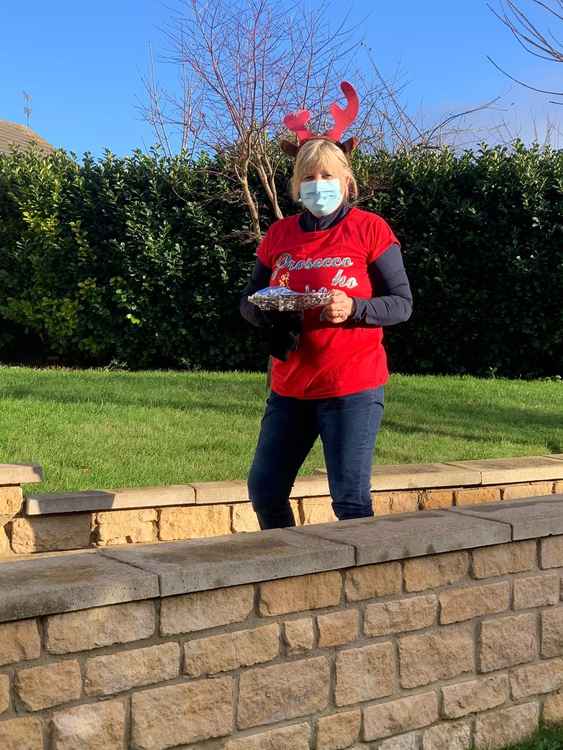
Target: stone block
column 192, row 522
column 19, row 641
column 475, row 495
column 283, row 691
column 96, row 726
column 99, row 500
column 244, row 518
column 100, row 626
column 337, row 628
column 299, row 635
column 49, row 685
column 4, row 693
column 11, row 501
column 365, row 673
column 453, row 735
column 51, row 533
column 551, row 552
column 205, row 609
column 165, row 717
column 402, row 715
column 204, row 564
column 507, row 641
column 300, row 593
column 503, row 559
column 553, row 708
column 535, row 679
column 432, row 499
column 403, row 535
column 400, row 615
column 474, row 696
column 318, row 510
column 5, row 547
column 114, row 673
column 506, row 726
column 221, row 492
column 422, row 476
column 381, row 503
column 402, row 742
column 20, row 474
column 435, row 570
column 509, row 470
column 536, row 591
column 127, row 527
column 228, row 651
column 527, row 489
column 552, row 632
column 439, row 655
column 21, row 734
column 404, row 502
column 294, row 737
column 459, row 604
column 528, row 519
column 338, row 731
column 370, row 581
column 58, row 583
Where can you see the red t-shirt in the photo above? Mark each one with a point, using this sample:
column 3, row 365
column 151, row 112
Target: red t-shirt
column 332, row 359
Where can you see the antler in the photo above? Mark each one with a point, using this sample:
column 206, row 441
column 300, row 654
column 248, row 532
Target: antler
column 343, row 118
column 296, row 122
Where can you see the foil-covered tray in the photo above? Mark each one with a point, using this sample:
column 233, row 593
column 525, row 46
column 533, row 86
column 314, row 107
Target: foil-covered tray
column 283, row 299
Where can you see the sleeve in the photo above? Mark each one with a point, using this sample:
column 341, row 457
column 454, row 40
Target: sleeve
column 393, row 303
column 381, row 239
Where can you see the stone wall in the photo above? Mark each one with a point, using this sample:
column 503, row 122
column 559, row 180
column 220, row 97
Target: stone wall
column 75, row 520
column 427, row 631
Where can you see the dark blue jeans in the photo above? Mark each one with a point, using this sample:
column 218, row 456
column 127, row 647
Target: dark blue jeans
column 348, row 427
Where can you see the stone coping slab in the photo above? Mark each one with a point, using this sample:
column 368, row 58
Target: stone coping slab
column 519, row 469
column 40, row 504
column 405, row 535
column 387, row 477
column 420, row 476
column 20, row 474
column 62, row 583
column 212, row 563
column 530, row 517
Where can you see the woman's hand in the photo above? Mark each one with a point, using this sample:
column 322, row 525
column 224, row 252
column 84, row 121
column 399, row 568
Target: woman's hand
column 339, row 308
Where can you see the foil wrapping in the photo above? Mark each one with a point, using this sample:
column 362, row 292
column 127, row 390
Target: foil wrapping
column 282, row 299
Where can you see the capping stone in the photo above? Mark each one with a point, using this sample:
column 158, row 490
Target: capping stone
column 202, row 564
column 63, row 583
column 530, row 518
column 508, row 470
column 420, row 476
column 20, row 474
column 41, row 504
column 410, row 534
column 220, row 492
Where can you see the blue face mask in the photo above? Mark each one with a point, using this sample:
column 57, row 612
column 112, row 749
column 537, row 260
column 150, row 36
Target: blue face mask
column 321, row 197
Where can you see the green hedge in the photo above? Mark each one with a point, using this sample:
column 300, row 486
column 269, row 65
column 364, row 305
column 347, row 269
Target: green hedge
column 138, row 261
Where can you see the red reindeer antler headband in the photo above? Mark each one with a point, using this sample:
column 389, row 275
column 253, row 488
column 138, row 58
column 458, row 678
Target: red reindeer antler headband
column 343, row 118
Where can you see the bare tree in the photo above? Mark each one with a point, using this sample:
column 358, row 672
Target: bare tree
column 244, row 64
column 540, row 43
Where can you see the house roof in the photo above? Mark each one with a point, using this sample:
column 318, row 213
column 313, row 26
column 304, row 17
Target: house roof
column 13, row 134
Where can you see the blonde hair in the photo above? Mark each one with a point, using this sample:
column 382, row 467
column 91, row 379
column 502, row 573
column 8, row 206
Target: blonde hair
column 323, row 154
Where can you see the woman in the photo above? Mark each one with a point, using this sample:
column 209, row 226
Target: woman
column 329, row 365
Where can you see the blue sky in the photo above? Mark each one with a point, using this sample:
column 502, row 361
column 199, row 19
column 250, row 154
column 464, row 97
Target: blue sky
column 83, row 65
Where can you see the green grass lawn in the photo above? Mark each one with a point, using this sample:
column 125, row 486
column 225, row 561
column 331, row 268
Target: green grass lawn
column 545, row 739
column 103, row 429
